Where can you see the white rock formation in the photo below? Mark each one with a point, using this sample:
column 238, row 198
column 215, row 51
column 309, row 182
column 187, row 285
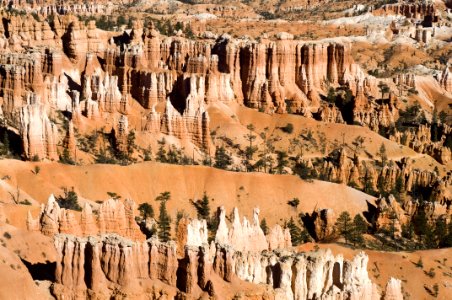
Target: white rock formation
column 246, row 236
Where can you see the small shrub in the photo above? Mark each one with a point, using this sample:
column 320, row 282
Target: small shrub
column 419, row 263
column 7, row 235
column 431, row 273
column 69, row 199
column 288, row 128
column 113, row 195
column 25, row 202
column 294, row 202
column 36, row 170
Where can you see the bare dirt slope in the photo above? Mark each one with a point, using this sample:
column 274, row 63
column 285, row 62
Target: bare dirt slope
column 144, row 181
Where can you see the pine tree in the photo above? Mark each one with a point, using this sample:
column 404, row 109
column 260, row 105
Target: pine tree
column 382, row 154
column 359, row 228
column 367, row 183
column 161, row 153
column 383, row 88
column 146, row 210
column 222, row 159
column 331, row 97
column 164, row 224
column 440, row 230
column 343, row 225
column 163, row 197
column 250, row 150
column 131, row 146
column 69, row 199
column 282, row 161
column 295, row 232
column 264, row 226
column 202, row 207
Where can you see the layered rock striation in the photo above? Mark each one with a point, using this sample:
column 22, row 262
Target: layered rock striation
column 112, row 216
column 105, row 265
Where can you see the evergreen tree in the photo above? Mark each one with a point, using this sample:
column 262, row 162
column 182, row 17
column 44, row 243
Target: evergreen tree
column 164, row 222
column 146, row 210
column 131, row 146
column 69, row 199
column 343, row 224
column 264, row 226
column 161, row 153
column 173, row 155
column 281, row 161
column 399, row 187
column 222, row 159
column 367, row 183
column 295, row 232
column 250, row 150
column 382, row 154
column 440, row 231
column 434, row 127
column 331, row 97
column 359, row 228
column 446, row 240
column 420, row 223
column 147, row 154
column 65, row 157
column 266, row 159
column 163, row 197
column 202, row 207
column 408, row 230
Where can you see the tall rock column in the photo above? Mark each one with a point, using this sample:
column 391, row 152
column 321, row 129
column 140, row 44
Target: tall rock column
column 39, row 135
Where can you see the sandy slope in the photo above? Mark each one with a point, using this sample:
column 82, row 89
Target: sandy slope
column 144, row 181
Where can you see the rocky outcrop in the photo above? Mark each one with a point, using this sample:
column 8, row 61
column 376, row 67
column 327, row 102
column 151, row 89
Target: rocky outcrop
column 39, row 135
column 340, row 168
column 93, row 75
column 330, row 114
column 112, row 216
column 101, row 266
column 371, row 114
column 445, row 79
column 193, row 123
column 421, row 140
column 107, row 258
column 246, row 236
column 104, row 265
column 393, row 289
column 391, row 214
column 416, row 10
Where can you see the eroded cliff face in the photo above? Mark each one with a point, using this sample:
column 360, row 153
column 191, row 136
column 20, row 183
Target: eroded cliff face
column 107, row 264
column 415, row 10
column 106, row 255
column 421, row 140
column 346, row 169
column 445, row 79
column 112, row 216
column 92, row 75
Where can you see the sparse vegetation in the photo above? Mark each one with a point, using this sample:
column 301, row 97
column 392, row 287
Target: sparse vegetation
column 69, row 199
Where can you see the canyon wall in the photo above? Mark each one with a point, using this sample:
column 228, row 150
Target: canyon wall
column 103, row 265
column 91, row 75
